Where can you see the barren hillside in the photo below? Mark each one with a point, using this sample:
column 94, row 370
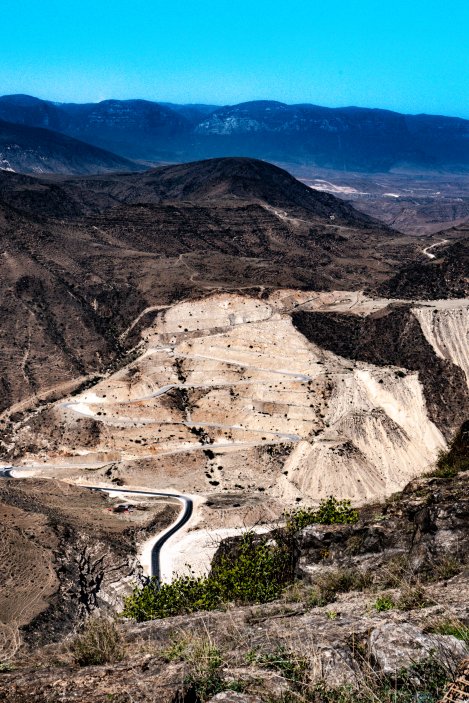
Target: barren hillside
column 225, row 395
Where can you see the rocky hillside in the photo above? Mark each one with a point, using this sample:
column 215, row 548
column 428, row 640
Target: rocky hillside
column 27, row 149
column 83, row 258
column 294, row 397
column 378, row 612
column 64, row 555
column 346, row 139
column 445, row 276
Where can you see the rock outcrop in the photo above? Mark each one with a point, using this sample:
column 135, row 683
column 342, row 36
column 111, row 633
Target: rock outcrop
column 295, row 646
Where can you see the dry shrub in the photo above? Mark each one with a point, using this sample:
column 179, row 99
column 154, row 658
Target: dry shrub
column 99, row 642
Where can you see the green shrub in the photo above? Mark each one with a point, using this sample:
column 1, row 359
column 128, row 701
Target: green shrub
column 456, row 459
column 183, row 595
column 99, row 642
column 383, row 603
column 257, row 573
column 256, row 570
column 330, row 512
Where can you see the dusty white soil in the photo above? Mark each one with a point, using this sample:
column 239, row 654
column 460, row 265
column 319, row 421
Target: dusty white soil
column 228, row 398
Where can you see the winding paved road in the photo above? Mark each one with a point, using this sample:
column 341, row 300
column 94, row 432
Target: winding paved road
column 182, row 519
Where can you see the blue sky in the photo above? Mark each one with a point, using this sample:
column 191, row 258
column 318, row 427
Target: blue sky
column 409, row 56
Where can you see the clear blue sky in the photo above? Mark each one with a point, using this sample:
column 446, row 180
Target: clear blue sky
column 409, row 56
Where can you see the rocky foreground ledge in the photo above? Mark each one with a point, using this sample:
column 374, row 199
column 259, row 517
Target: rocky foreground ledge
column 381, row 608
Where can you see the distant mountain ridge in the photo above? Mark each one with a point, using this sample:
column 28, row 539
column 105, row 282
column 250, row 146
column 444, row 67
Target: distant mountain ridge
column 349, row 138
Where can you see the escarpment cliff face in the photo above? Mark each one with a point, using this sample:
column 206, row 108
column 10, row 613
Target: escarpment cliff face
column 409, row 338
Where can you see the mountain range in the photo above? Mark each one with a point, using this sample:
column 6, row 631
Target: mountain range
column 345, row 139
column 222, row 332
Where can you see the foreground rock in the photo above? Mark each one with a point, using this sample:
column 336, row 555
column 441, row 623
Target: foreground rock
column 409, row 631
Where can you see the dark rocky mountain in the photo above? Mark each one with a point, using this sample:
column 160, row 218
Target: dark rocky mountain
column 36, row 150
column 445, row 276
column 81, row 258
column 213, row 181
column 344, row 139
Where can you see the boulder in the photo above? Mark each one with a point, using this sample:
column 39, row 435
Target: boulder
column 394, row 646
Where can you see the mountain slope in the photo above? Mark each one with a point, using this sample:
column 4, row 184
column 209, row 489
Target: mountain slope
column 36, row 150
column 347, row 138
column 83, row 257
column 222, row 180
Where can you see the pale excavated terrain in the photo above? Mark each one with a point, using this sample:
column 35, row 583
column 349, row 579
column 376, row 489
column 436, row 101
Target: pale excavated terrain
column 227, row 398
column 446, row 328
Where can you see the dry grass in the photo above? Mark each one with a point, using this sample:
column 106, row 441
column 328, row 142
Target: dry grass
column 100, row 642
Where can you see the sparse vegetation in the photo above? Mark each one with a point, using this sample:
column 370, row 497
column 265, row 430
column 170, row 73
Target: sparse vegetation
column 450, row 627
column 204, row 664
column 205, row 678
column 447, row 567
column 292, row 667
column 329, row 583
column 456, row 459
column 412, row 597
column 424, row 682
column 330, row 512
column 383, row 603
column 99, row 642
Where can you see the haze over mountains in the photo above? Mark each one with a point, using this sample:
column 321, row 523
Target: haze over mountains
column 345, row 139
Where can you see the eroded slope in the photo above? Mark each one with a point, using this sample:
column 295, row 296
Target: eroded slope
column 227, row 397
